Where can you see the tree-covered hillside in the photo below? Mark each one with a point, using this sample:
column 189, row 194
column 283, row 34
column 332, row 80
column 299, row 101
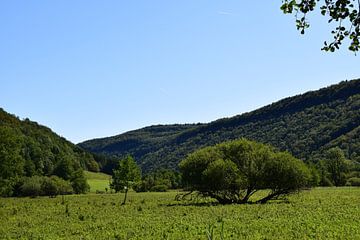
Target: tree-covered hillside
column 305, row 125
column 28, row 149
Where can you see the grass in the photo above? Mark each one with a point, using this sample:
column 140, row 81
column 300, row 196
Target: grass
column 322, row 213
column 97, row 181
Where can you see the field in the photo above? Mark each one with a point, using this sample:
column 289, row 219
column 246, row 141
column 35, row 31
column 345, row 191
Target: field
column 322, row 213
column 97, row 181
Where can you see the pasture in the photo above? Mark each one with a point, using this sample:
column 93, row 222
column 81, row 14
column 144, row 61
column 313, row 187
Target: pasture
column 97, row 181
column 321, row 213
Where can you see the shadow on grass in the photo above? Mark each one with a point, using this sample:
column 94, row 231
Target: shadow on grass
column 187, row 204
column 214, row 203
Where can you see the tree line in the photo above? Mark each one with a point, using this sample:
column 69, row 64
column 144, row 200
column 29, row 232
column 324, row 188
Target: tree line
column 232, row 172
column 306, row 125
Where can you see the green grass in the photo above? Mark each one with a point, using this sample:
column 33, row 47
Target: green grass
column 322, row 213
column 97, row 181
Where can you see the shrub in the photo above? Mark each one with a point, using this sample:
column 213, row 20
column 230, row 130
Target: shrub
column 32, row 187
column 49, row 187
column 232, row 172
column 62, row 187
column 353, row 182
column 159, row 188
column 7, row 187
column 79, row 183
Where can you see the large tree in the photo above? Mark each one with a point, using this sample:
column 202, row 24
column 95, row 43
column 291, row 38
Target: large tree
column 125, row 175
column 233, row 171
column 345, row 14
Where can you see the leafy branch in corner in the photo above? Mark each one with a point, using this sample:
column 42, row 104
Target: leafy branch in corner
column 346, row 14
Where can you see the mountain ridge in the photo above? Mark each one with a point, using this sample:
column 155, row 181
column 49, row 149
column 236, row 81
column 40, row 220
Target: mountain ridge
column 305, row 123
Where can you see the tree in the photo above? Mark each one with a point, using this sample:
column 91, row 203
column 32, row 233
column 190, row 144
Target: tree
column 336, row 166
column 125, row 175
column 346, row 14
column 79, row 183
column 159, row 180
column 232, row 172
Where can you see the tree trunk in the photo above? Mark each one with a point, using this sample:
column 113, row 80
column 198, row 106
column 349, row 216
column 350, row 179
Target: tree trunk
column 271, row 196
column 126, row 191
column 249, row 193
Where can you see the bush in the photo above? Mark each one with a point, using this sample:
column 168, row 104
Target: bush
column 353, row 182
column 49, row 187
column 159, row 188
column 62, row 187
column 32, row 187
column 7, row 187
column 43, row 186
column 79, row 183
column 232, row 172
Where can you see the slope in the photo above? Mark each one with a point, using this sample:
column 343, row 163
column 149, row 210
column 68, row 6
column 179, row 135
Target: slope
column 305, row 125
column 28, row 149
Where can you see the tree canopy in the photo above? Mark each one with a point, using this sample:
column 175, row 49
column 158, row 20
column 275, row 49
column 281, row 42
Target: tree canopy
column 346, row 14
column 126, row 175
column 232, row 172
column 29, row 150
column 306, row 125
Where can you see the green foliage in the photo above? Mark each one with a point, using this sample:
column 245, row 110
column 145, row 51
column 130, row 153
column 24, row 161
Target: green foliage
column 49, row 187
column 125, row 175
column 232, row 172
column 354, row 181
column 63, row 187
column 159, row 188
column 159, row 180
column 43, row 186
column 79, row 183
column 321, row 213
column 336, row 166
column 7, row 187
column 345, row 13
column 32, row 187
column 11, row 162
column 306, row 125
column 29, row 149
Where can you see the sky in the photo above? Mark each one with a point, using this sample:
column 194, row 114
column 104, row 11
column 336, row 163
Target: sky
column 90, row 69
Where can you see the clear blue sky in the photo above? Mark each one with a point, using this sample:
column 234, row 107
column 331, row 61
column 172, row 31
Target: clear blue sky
column 91, row 69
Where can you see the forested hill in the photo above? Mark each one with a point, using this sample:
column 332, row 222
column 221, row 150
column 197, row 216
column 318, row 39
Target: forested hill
column 305, row 125
column 28, row 149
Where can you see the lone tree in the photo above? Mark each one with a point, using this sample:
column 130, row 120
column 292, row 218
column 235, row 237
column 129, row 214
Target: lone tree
column 125, row 175
column 233, row 171
column 336, row 166
column 345, row 14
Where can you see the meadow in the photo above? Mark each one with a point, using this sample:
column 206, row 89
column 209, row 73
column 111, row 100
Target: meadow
column 98, row 181
column 321, row 213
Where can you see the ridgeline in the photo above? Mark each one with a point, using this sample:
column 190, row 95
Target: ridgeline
column 306, row 125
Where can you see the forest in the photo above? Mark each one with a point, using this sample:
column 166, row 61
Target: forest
column 314, row 127
column 32, row 155
column 306, row 125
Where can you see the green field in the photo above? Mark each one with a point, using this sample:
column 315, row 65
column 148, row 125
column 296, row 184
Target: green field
column 97, row 181
column 322, row 213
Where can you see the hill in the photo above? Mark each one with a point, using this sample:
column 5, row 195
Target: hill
column 305, row 125
column 28, row 149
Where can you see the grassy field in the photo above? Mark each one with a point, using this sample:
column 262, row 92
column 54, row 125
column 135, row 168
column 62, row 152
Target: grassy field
column 97, row 181
column 322, row 213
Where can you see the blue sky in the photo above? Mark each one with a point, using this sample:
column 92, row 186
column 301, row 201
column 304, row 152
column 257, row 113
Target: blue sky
column 90, row 69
